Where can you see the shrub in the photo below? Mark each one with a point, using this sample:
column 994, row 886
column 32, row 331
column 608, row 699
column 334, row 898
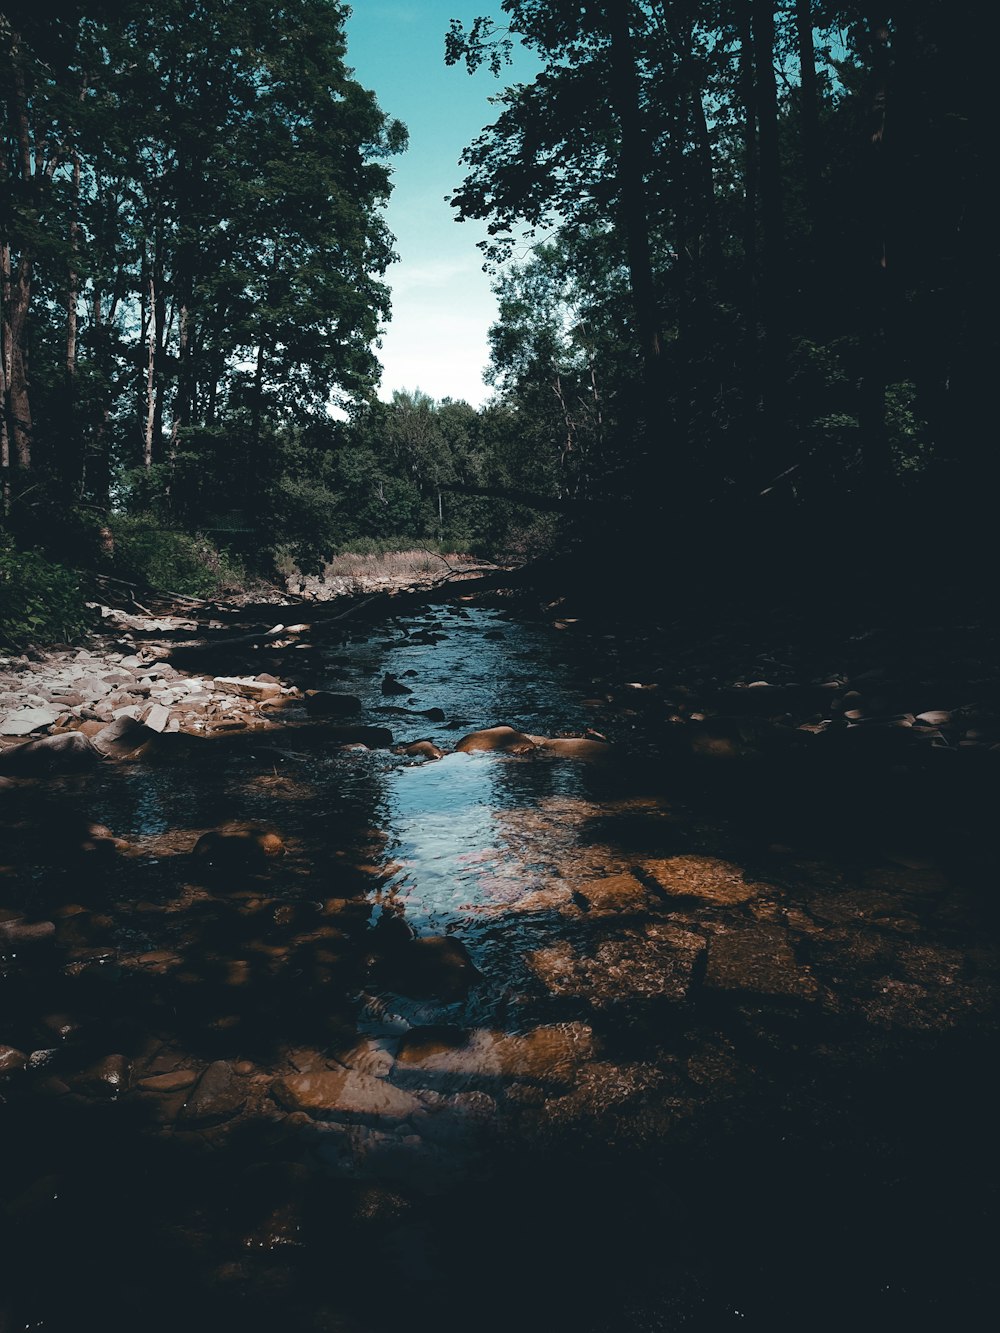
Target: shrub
column 40, row 602
column 171, row 560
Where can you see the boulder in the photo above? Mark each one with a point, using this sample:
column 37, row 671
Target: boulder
column 65, row 752
column 124, row 738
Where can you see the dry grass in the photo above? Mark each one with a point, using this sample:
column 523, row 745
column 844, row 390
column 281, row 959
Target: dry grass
column 353, row 573
column 401, row 566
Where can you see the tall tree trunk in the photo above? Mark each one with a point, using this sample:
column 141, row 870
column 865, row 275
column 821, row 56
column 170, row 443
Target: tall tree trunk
column 73, row 288
column 632, row 179
column 771, row 292
column 877, row 452
column 17, row 287
column 809, row 116
column 147, row 454
column 751, row 351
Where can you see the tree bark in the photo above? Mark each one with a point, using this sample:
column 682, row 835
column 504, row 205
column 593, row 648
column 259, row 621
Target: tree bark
column 147, row 455
column 73, row 290
column 771, row 292
column 877, row 455
column 809, row 119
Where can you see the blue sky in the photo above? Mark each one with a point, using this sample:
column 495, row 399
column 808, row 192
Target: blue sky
column 442, row 303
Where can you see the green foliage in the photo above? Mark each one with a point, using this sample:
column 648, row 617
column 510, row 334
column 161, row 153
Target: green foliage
column 170, row 560
column 40, row 602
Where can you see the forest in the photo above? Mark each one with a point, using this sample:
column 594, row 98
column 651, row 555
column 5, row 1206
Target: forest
column 752, row 285
column 591, row 925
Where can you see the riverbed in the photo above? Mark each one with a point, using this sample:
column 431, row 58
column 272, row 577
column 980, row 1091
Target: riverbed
column 521, row 1036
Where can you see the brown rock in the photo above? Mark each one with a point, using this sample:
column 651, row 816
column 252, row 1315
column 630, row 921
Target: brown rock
column 505, row 739
column 421, row 750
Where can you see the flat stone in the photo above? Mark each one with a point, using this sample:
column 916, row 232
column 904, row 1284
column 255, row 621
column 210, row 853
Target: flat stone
column 658, row 964
column 250, row 687
column 756, row 959
column 345, row 1092
column 219, row 1095
column 703, row 877
column 155, row 717
column 26, row 720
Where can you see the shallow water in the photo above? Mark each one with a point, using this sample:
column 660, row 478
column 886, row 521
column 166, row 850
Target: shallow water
column 686, row 1084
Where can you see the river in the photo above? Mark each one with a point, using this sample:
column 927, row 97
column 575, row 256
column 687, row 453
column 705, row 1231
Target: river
column 500, row 1039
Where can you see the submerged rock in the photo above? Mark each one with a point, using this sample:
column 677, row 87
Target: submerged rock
column 238, row 847
column 435, row 967
column 390, row 685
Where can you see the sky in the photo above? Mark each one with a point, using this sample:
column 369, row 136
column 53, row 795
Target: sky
column 441, row 299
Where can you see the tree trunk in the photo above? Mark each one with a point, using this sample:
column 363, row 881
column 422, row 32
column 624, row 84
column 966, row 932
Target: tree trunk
column 772, row 449
column 631, row 180
column 877, row 456
column 73, row 291
column 809, row 120
column 147, row 455
column 16, row 293
column 751, row 316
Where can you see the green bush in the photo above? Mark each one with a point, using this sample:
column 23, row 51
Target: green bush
column 170, row 560
column 40, row 602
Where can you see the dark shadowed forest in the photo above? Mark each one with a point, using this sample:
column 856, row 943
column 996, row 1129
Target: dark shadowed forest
column 529, row 865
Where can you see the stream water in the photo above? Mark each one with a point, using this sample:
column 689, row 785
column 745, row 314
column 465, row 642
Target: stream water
column 500, row 1040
